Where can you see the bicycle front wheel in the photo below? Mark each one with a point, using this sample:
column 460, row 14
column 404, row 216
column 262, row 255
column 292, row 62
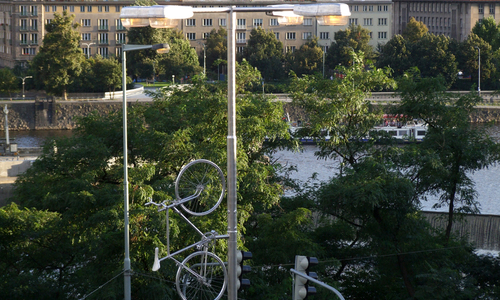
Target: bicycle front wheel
column 202, row 275
column 204, row 182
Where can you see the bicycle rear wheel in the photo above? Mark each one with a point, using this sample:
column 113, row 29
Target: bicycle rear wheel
column 202, row 275
column 205, row 178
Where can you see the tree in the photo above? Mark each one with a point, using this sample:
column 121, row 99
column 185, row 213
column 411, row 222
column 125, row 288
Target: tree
column 107, row 73
column 308, row 59
column 414, row 30
column 8, row 81
column 265, row 52
column 456, row 149
column 469, row 59
column 216, row 48
column 78, row 183
column 354, row 38
column 181, row 60
column 396, row 54
column 489, row 31
column 58, row 62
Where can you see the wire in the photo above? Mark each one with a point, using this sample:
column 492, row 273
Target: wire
column 100, row 287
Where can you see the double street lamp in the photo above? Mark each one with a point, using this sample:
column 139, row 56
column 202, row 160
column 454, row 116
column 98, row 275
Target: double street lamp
column 88, row 48
column 168, row 16
column 23, row 79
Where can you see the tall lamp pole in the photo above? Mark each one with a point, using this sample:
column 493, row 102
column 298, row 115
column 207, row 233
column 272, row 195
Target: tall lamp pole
column 204, row 57
column 23, row 79
column 478, row 71
column 88, row 48
column 326, row 14
column 161, row 48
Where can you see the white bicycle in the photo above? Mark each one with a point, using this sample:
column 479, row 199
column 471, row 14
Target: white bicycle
column 199, row 189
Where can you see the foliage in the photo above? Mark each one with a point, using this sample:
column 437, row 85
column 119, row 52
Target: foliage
column 59, row 60
column 414, row 30
column 354, row 38
column 308, row 59
column 77, row 182
column 8, row 81
column 396, row 54
column 265, row 52
column 469, row 55
column 489, row 31
column 216, row 48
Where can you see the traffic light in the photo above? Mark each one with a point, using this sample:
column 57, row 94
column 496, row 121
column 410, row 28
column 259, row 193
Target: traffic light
column 241, row 256
column 301, row 286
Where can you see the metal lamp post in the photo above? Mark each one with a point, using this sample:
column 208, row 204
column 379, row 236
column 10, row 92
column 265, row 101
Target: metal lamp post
column 478, row 71
column 204, row 57
column 23, row 79
column 162, row 48
column 325, row 13
column 88, row 48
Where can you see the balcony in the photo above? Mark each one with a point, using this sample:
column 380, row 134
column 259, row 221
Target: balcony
column 103, row 42
column 120, row 28
column 23, row 42
column 34, row 14
column 34, row 43
column 34, row 28
column 241, row 41
column 241, row 27
column 23, row 14
column 103, row 28
column 23, row 28
column 120, row 42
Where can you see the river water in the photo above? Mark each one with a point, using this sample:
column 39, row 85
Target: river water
column 487, row 181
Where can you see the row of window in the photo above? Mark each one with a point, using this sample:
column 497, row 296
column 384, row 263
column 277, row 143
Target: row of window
column 103, row 37
column 480, row 8
column 368, row 21
column 24, row 23
column 71, row 8
column 103, row 51
column 370, row 7
column 241, row 36
column 103, row 24
column 242, row 23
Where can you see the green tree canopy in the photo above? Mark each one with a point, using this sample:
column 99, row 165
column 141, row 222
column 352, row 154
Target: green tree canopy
column 265, row 52
column 354, row 38
column 489, row 31
column 59, row 60
column 396, row 54
column 414, row 30
column 8, row 81
column 216, row 48
column 308, row 59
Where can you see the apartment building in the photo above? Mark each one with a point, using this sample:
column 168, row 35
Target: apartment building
column 451, row 18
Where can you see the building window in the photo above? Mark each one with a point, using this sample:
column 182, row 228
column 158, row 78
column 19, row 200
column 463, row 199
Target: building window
column 190, row 22
column 86, row 51
column 257, row 22
column 353, row 21
column 382, row 21
column 480, row 21
column 191, row 36
column 277, row 35
column 72, row 8
column 206, row 35
column 47, row 21
column 379, row 7
column 103, row 51
column 34, row 39
column 290, row 35
column 34, row 10
column 82, row 8
column 240, row 49
column 103, row 24
column 86, row 23
column 308, row 21
column 480, row 8
column 54, row 8
column 222, row 22
column 34, row 24
column 85, row 36
column 324, row 35
column 119, row 25
column 28, row 51
column 106, row 8
column 273, row 22
column 370, row 8
column 120, row 38
column 386, row 7
column 207, row 22
column 89, row 8
column 23, row 10
column 290, row 49
column 65, row 7
column 241, row 24
column 103, row 38
column 382, row 35
column 23, row 39
column 365, row 7
column 99, row 8
column 241, row 37
column 367, row 22
column 119, row 51
column 306, row 35
column 492, row 8
column 355, row 8
column 371, row 35
column 117, row 8
column 47, row 8
column 23, row 24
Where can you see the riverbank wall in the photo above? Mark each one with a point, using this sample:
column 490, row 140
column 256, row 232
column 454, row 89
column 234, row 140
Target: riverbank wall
column 49, row 113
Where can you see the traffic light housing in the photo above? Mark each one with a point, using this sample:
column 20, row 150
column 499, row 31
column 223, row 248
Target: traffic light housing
column 302, row 289
column 241, row 256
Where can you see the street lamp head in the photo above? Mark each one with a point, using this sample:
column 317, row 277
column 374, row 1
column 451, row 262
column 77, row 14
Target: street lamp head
column 156, row 16
column 326, row 13
column 161, row 48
